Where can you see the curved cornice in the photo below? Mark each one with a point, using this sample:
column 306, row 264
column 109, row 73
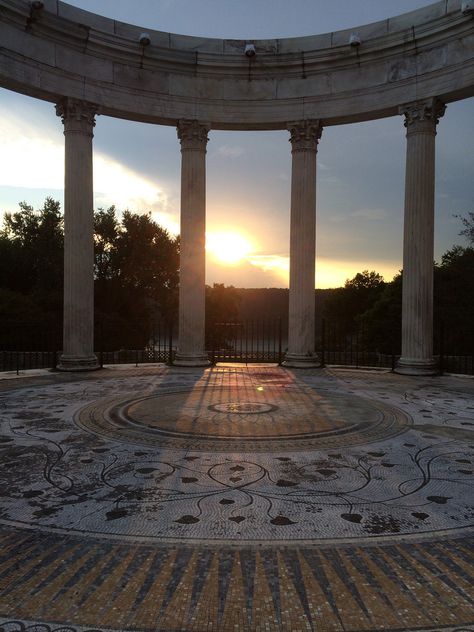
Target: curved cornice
column 61, row 51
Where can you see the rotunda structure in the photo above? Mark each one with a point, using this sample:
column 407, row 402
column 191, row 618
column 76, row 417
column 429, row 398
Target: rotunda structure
column 411, row 65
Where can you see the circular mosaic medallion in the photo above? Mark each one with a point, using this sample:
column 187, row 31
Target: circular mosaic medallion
column 230, row 419
column 242, row 408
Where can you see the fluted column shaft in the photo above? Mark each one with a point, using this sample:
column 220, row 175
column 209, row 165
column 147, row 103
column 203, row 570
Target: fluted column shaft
column 304, row 139
column 418, row 241
column 191, row 346
column 78, row 325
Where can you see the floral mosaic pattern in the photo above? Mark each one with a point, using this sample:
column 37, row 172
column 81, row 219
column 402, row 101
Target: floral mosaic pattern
column 56, row 476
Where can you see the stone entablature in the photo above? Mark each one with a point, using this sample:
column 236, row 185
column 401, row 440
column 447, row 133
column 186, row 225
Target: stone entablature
column 61, row 51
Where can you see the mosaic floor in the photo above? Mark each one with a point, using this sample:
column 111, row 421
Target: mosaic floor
column 236, row 499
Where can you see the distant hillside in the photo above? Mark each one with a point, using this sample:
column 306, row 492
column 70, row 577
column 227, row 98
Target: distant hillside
column 264, row 303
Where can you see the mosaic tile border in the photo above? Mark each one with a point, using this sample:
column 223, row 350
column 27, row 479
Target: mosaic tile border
column 9, row 625
column 396, row 587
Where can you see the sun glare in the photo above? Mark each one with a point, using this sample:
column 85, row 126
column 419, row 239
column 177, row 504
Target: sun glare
column 228, row 247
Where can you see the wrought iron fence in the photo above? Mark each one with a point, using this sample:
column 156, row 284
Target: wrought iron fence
column 245, row 341
column 142, row 343
column 29, row 345
column 38, row 345
column 24, row 360
column 338, row 345
column 455, row 352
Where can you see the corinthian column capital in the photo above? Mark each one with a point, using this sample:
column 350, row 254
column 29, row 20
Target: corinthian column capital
column 77, row 115
column 193, row 135
column 422, row 115
column 305, row 135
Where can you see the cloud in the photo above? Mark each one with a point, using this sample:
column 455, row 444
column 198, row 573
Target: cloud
column 231, row 151
column 277, row 265
column 370, row 213
column 116, row 184
column 244, row 275
column 32, row 158
column 27, row 158
column 273, row 270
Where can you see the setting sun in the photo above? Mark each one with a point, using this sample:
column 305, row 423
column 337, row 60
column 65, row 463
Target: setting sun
column 228, row 247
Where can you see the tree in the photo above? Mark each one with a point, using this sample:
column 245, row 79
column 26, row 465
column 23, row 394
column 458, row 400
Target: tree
column 382, row 321
column 468, row 223
column 222, row 303
column 106, row 231
column 31, row 248
column 453, row 304
column 365, row 281
column 454, row 289
column 147, row 263
column 222, row 306
column 146, row 254
column 346, row 304
column 135, row 268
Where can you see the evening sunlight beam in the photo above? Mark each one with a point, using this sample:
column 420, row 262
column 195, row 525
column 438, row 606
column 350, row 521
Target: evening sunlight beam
column 228, row 247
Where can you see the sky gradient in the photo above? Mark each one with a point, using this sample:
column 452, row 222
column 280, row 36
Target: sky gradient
column 360, row 180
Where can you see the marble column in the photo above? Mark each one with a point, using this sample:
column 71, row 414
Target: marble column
column 304, row 139
column 192, row 318
column 421, row 119
column 78, row 118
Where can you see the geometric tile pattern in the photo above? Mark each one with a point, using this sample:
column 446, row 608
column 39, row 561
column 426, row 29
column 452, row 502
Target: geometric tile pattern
column 365, row 534
column 379, row 587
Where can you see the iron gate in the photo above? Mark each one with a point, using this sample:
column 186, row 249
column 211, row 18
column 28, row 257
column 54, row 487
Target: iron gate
column 246, row 341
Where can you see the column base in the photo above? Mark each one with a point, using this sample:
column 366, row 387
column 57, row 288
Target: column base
column 412, row 366
column 191, row 359
column 78, row 363
column 297, row 361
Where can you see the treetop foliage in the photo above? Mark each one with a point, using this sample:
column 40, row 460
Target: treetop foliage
column 468, row 223
column 365, row 280
column 27, row 226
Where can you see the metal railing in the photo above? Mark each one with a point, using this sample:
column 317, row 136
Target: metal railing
column 246, row 341
column 29, row 345
column 25, row 360
column 25, row 346
column 455, row 352
column 338, row 346
column 144, row 343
